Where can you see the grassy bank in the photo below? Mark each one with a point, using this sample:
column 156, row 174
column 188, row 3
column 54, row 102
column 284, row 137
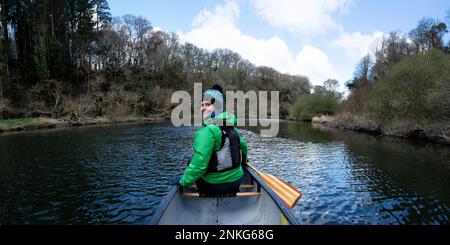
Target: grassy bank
column 29, row 123
column 437, row 132
column 20, row 122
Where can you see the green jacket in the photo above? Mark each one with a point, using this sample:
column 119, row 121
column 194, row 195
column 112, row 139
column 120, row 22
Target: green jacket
column 208, row 139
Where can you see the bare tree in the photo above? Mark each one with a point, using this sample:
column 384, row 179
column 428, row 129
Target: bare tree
column 428, row 34
column 363, row 69
column 319, row 90
column 420, row 37
column 142, row 29
column 331, row 85
column 390, row 52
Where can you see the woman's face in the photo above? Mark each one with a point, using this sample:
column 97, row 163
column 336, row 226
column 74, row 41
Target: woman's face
column 207, row 109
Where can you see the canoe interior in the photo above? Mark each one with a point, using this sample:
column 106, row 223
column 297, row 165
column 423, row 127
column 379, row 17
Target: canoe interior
column 250, row 210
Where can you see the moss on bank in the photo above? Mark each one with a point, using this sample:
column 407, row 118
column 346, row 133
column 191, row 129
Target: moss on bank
column 29, row 123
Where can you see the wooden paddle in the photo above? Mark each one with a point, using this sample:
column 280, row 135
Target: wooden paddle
column 288, row 194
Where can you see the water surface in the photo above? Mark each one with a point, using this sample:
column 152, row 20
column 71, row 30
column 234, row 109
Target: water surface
column 119, row 174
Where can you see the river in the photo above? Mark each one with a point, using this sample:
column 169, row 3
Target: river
column 119, row 174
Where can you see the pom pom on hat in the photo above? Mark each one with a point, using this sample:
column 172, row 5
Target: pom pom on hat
column 218, row 88
column 215, row 96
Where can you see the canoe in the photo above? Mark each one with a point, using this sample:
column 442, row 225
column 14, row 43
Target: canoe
column 255, row 204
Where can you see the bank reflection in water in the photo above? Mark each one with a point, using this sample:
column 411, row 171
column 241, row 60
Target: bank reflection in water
column 350, row 177
column 119, row 174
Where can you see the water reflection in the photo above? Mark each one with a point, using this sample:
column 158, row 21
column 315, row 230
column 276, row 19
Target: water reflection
column 119, row 174
column 352, row 178
column 95, row 175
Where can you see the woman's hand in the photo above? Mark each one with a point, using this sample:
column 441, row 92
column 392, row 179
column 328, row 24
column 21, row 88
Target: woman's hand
column 176, row 180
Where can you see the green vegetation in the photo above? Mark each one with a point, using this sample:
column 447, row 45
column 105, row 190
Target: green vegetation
column 321, row 102
column 406, row 91
column 416, row 90
column 21, row 122
column 70, row 59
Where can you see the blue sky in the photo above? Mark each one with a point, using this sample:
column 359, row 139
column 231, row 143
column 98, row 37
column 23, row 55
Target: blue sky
column 317, row 38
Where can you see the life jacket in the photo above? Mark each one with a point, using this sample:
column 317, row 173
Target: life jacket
column 229, row 155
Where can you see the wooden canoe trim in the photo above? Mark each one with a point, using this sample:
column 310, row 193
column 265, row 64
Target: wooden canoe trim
column 287, row 193
column 239, row 194
column 246, row 186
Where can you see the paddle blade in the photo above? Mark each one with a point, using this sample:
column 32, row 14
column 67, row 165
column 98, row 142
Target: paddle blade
column 288, row 194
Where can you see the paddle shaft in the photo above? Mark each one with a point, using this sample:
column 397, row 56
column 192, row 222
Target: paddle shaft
column 254, row 169
column 288, row 194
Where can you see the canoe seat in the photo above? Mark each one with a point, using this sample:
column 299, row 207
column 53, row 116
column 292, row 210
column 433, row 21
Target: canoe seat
column 238, row 194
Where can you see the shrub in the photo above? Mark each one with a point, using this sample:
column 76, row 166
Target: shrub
column 416, row 89
column 4, row 107
column 157, row 100
column 79, row 108
column 311, row 105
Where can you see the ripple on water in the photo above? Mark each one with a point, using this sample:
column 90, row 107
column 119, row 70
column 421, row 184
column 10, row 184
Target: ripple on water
column 340, row 187
column 120, row 174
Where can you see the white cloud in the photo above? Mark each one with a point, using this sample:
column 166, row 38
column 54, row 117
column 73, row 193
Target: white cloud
column 356, row 45
column 308, row 17
column 158, row 28
column 217, row 29
column 315, row 63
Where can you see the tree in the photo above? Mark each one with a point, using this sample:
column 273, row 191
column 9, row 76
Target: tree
column 4, row 44
column 363, row 69
column 266, row 78
column 428, row 34
column 419, row 35
column 142, row 29
column 244, row 70
column 55, row 50
column 448, row 24
column 194, row 59
column 321, row 102
column 135, row 32
column 413, row 90
column 331, row 85
column 392, row 49
column 320, row 90
column 84, row 32
column 102, row 15
column 165, row 64
column 362, row 74
column 5, row 18
column 437, row 34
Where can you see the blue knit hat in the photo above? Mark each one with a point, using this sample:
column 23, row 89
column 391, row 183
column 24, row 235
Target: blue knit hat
column 215, row 96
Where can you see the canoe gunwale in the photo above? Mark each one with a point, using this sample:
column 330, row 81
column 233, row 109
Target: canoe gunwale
column 175, row 189
column 164, row 204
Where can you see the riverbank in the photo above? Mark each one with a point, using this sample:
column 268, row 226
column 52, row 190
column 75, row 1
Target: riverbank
column 29, row 123
column 437, row 133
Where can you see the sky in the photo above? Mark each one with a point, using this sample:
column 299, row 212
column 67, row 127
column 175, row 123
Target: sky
column 320, row 39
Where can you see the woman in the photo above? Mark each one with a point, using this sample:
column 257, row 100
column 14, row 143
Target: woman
column 219, row 150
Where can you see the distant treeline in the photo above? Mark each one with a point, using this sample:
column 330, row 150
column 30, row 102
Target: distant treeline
column 401, row 80
column 70, row 58
column 404, row 89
